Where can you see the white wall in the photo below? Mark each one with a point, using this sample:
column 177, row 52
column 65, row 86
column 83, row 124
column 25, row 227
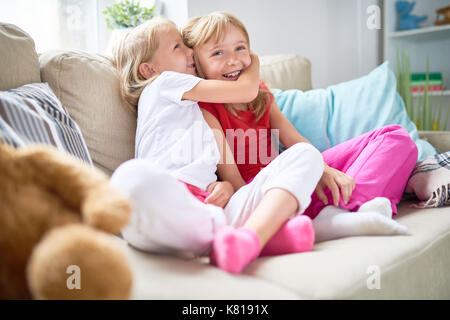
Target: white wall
column 332, row 34
column 176, row 10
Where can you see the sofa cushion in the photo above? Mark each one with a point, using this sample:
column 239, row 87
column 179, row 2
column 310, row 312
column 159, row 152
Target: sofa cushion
column 308, row 113
column 413, row 266
column 168, row 277
column 439, row 139
column 33, row 114
column 88, row 87
column 19, row 62
column 371, row 267
column 286, row 71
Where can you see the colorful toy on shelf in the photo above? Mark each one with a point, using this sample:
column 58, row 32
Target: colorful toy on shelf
column 418, row 82
column 408, row 21
column 443, row 16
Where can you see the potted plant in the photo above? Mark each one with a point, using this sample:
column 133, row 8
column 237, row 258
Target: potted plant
column 127, row 14
column 124, row 15
column 419, row 108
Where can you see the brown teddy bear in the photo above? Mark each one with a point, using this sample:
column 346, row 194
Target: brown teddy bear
column 57, row 215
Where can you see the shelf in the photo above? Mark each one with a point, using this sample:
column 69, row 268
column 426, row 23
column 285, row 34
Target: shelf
column 432, row 93
column 429, row 42
column 434, row 31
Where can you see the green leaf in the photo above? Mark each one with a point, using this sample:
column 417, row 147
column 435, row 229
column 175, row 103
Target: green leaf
column 126, row 14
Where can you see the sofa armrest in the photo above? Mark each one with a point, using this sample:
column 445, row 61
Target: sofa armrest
column 286, row 71
column 439, row 139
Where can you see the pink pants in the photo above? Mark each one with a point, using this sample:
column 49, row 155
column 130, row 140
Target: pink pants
column 379, row 161
column 196, row 192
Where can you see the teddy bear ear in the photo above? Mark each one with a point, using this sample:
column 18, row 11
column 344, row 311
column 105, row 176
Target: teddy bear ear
column 86, row 264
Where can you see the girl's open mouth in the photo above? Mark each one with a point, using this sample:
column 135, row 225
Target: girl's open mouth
column 233, row 75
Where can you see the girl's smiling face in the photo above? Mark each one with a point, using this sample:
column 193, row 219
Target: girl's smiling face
column 225, row 59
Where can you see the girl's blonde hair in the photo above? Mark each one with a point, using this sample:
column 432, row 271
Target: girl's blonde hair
column 200, row 30
column 136, row 47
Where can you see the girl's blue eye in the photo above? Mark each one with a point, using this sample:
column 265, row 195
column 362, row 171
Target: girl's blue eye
column 176, row 46
column 241, row 48
column 217, row 53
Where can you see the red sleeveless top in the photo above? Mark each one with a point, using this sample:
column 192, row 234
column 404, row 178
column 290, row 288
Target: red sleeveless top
column 250, row 141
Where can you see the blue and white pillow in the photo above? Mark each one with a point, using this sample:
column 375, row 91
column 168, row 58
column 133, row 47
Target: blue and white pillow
column 328, row 117
column 33, row 114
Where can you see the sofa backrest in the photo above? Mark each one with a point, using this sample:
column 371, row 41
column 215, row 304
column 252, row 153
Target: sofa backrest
column 286, row 71
column 19, row 63
column 87, row 85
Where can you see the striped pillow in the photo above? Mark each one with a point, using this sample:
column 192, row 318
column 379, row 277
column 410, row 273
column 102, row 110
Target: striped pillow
column 33, row 114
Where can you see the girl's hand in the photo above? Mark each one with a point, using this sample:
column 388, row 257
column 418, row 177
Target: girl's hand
column 244, row 90
column 221, row 192
column 335, row 180
column 255, row 60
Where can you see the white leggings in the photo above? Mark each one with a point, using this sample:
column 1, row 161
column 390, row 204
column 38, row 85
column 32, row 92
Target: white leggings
column 167, row 218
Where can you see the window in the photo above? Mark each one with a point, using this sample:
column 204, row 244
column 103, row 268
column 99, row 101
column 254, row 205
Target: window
column 61, row 24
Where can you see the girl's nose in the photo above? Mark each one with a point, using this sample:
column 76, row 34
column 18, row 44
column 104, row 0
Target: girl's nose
column 232, row 60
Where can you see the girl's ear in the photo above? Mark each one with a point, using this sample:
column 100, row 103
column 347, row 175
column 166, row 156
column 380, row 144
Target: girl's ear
column 146, row 70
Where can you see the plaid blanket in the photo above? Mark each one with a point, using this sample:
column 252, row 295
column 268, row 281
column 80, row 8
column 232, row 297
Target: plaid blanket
column 430, row 182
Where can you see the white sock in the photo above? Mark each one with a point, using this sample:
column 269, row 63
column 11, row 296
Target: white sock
column 334, row 222
column 380, row 204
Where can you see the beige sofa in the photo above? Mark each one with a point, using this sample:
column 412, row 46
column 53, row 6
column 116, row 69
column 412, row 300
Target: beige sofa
column 388, row 267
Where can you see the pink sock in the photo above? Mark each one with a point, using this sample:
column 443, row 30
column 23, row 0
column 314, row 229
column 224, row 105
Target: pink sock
column 296, row 235
column 233, row 249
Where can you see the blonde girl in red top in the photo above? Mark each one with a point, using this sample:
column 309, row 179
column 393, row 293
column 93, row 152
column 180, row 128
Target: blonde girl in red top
column 366, row 174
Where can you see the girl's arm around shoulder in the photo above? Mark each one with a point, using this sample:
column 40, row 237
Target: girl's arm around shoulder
column 227, row 169
column 288, row 134
column 243, row 90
